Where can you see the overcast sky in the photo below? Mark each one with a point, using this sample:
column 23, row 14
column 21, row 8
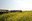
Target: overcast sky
column 16, row 4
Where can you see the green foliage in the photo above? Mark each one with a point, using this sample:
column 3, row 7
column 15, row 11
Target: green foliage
column 2, row 18
column 16, row 16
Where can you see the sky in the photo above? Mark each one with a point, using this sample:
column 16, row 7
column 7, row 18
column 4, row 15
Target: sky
column 16, row 4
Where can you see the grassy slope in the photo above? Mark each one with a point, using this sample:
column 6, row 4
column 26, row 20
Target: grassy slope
column 17, row 16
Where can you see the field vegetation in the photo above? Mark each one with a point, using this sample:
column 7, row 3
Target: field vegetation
column 17, row 16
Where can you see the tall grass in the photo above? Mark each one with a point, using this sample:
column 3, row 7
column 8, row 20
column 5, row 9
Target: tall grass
column 16, row 16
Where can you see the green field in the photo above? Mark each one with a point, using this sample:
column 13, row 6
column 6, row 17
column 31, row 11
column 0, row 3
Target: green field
column 17, row 16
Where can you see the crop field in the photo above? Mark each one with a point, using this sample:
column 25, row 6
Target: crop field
column 17, row 16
